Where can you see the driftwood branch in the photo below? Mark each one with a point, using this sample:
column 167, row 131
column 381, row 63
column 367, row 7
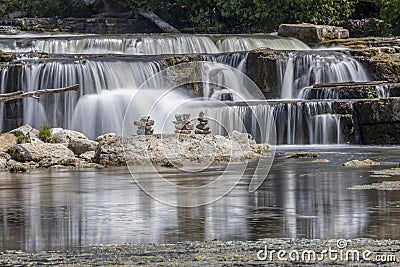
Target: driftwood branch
column 36, row 94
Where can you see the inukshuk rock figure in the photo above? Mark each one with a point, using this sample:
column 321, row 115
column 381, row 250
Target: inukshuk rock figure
column 183, row 124
column 145, row 126
column 202, row 127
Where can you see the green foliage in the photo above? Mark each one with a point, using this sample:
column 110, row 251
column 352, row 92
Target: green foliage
column 322, row 11
column 390, row 12
column 45, row 133
column 20, row 139
column 265, row 15
column 46, row 8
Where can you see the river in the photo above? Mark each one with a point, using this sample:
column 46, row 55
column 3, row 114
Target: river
column 65, row 209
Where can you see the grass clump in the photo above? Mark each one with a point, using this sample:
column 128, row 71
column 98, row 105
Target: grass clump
column 20, row 138
column 45, row 133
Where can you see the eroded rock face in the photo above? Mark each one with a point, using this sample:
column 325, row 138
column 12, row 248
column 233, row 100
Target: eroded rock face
column 262, row 69
column 379, row 120
column 312, row 34
column 159, row 149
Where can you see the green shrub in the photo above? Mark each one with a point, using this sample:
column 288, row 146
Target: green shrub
column 20, row 139
column 45, row 133
column 390, row 12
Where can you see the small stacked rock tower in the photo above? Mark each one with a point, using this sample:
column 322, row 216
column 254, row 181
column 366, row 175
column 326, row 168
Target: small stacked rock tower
column 145, row 126
column 183, row 124
column 202, row 127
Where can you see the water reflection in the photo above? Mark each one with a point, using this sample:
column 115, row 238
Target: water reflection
column 301, row 199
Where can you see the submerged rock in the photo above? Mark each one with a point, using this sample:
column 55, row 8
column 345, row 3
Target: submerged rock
column 301, row 155
column 360, row 163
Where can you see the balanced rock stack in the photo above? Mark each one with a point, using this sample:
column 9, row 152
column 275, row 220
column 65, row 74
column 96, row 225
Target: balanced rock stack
column 202, row 127
column 183, row 124
column 145, row 126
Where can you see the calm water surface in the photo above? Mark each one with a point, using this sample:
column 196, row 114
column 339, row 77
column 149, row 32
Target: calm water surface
column 66, row 209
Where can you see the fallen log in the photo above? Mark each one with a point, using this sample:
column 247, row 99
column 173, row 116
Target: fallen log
column 159, row 22
column 36, row 94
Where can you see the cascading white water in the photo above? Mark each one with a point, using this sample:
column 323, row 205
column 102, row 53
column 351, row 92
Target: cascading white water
column 94, row 76
column 323, row 93
column 150, row 44
column 298, row 70
column 3, row 75
column 241, row 43
column 107, row 85
column 382, row 90
column 307, row 123
column 323, row 126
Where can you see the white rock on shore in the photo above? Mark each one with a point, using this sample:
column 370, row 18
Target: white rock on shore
column 160, row 149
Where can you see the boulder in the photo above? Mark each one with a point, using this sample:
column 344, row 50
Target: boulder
column 40, row 152
column 7, row 140
column 80, row 146
column 27, row 131
column 62, row 136
column 312, row 34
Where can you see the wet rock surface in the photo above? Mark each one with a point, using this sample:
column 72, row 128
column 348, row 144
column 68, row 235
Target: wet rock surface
column 208, row 253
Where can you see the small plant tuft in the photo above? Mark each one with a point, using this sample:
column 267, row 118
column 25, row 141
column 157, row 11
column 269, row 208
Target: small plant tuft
column 20, row 138
column 44, row 133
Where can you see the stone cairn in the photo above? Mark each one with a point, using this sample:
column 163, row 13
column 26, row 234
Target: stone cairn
column 183, row 124
column 202, row 127
column 145, row 126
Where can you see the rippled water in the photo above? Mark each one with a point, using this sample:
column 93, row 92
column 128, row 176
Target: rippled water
column 66, row 209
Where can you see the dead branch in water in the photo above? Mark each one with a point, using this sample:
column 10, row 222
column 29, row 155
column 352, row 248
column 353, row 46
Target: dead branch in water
column 36, row 94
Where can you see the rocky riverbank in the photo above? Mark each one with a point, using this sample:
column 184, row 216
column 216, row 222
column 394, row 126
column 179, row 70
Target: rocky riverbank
column 23, row 149
column 217, row 253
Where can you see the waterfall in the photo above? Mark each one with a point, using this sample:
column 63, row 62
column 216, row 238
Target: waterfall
column 323, row 93
column 149, row 44
column 298, row 70
column 382, row 90
column 306, row 123
column 94, row 76
column 241, row 43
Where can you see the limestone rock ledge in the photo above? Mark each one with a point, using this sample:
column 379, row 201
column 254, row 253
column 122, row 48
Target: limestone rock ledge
column 181, row 149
